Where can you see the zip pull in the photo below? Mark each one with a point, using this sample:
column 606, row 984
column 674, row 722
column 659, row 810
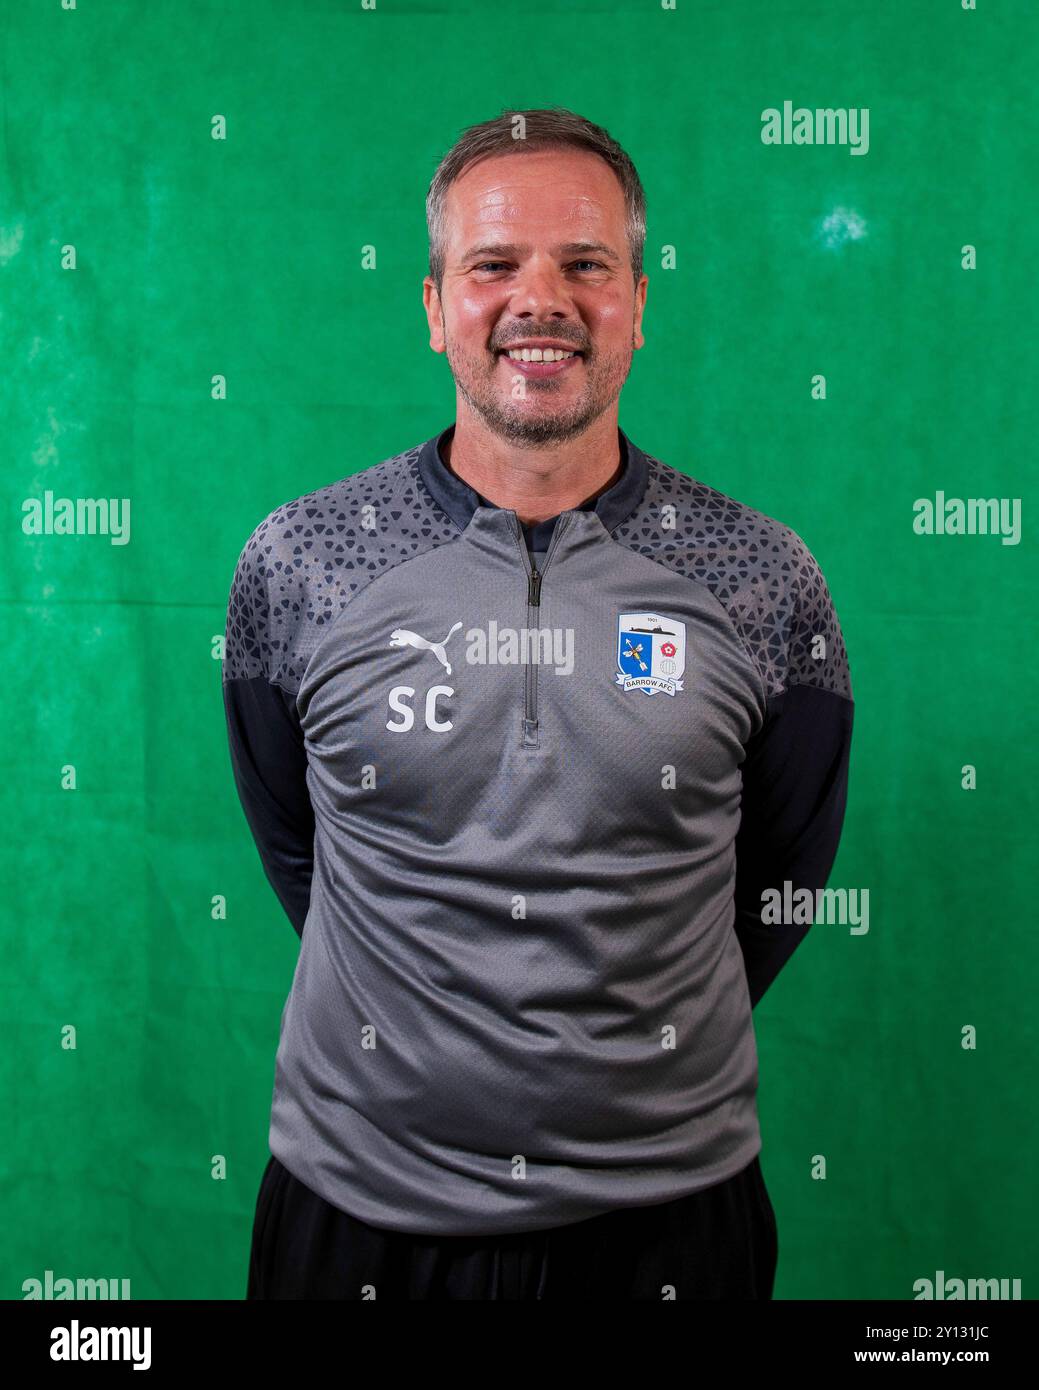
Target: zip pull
column 534, row 588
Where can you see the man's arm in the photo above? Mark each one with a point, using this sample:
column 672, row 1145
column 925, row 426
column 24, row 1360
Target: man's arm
column 268, row 756
column 795, row 781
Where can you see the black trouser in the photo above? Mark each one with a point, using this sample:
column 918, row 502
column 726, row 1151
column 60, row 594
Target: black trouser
column 717, row 1243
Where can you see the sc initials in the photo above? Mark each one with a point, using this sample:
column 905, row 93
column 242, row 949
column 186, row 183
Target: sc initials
column 398, row 698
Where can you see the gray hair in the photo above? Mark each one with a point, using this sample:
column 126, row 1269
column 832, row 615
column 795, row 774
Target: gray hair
column 548, row 128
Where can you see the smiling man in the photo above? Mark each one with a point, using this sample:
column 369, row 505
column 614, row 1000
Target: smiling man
column 517, row 1060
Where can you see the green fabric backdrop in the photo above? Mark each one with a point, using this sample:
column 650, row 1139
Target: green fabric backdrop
column 243, row 257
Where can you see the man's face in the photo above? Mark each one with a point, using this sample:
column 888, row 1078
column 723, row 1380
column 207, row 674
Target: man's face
column 536, row 251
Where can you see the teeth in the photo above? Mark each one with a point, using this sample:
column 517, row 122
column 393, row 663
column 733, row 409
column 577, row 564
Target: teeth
column 538, row 354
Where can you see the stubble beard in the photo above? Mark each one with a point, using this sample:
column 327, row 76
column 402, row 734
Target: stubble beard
column 515, row 422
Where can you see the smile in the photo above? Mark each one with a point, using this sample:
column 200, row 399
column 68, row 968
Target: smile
column 537, row 362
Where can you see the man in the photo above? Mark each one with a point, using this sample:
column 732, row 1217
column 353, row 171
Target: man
column 524, row 722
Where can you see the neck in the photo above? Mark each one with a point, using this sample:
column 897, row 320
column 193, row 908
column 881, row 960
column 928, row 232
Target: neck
column 535, row 483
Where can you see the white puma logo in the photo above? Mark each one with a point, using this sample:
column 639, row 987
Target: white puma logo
column 402, row 637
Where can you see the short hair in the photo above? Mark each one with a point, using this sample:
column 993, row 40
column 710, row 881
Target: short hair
column 547, row 128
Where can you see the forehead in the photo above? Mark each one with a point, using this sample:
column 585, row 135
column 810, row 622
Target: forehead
column 540, row 192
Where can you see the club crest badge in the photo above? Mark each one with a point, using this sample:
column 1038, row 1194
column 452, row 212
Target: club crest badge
column 650, row 653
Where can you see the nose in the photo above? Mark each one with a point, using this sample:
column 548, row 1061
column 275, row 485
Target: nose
column 540, row 290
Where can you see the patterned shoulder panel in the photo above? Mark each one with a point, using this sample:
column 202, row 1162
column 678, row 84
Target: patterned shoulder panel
column 760, row 571
column 307, row 558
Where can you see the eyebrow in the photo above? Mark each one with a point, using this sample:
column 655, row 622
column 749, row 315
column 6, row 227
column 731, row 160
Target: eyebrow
column 566, row 248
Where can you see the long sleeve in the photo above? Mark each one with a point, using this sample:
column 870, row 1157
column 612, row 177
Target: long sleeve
column 269, row 762
column 268, row 754
column 795, row 782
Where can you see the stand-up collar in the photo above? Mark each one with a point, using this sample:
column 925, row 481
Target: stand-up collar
column 459, row 500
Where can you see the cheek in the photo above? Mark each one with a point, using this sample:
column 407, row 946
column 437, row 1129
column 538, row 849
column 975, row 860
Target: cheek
column 612, row 320
column 474, row 310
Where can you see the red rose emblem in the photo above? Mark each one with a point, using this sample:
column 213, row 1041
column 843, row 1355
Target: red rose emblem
column 668, row 648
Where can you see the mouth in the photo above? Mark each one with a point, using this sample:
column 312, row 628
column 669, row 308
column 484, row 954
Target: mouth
column 537, row 362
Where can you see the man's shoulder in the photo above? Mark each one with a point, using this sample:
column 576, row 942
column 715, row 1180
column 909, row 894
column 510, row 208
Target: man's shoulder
column 338, row 508
column 759, row 569
column 679, row 510
column 307, row 557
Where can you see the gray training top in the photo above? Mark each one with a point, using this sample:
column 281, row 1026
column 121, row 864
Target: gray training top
column 528, row 891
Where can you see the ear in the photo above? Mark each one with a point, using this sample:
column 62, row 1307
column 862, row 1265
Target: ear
column 640, row 304
column 434, row 314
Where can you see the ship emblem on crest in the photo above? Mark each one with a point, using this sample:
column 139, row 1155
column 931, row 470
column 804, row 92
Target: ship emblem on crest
column 650, row 653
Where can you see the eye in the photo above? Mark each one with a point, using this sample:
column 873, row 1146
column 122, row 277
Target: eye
column 488, row 265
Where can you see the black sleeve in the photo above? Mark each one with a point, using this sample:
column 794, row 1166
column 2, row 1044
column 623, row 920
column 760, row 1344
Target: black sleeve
column 269, row 761
column 795, row 785
column 795, row 772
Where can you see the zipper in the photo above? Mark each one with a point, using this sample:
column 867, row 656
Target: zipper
column 531, row 731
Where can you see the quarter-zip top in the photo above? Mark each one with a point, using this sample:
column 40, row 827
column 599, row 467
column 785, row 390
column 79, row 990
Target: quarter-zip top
column 534, row 578
column 522, row 812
